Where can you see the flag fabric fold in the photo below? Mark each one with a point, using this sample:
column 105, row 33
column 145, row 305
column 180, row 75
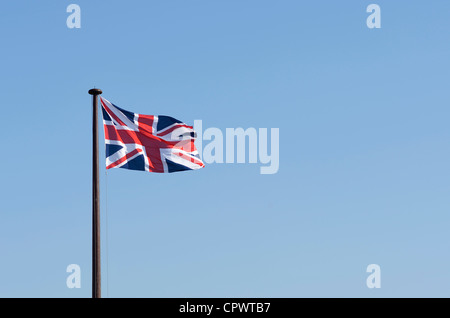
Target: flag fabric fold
column 147, row 142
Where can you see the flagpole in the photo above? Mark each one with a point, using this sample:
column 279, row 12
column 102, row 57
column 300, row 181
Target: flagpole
column 96, row 265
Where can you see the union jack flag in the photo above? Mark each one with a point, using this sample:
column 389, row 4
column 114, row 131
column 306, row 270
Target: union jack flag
column 147, row 142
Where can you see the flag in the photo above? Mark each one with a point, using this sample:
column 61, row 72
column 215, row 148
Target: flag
column 147, row 142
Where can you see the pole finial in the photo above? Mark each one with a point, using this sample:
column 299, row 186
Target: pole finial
column 95, row 91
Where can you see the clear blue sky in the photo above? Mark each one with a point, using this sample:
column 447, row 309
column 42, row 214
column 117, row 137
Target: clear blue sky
column 364, row 148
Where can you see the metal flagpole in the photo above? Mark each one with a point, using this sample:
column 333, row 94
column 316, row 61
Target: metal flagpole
column 96, row 268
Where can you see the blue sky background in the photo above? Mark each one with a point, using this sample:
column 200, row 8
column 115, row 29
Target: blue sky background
column 364, row 148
